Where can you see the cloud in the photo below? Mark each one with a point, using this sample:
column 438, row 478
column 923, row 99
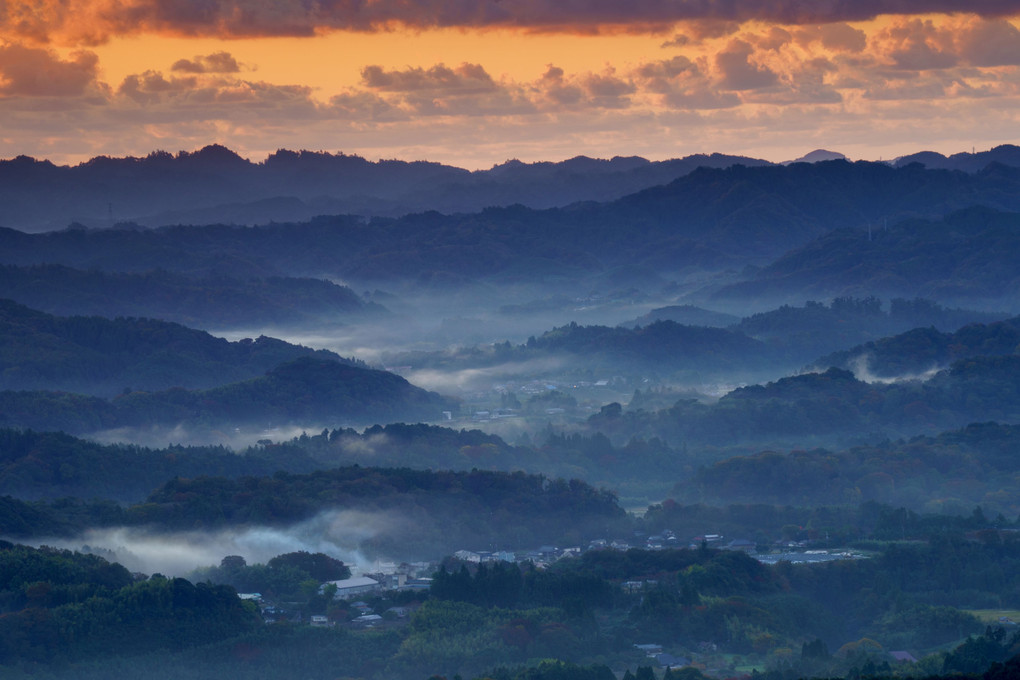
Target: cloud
column 96, row 21
column 737, row 70
column 34, row 72
column 683, row 84
column 464, row 79
column 218, row 62
column 466, row 89
column 213, row 96
column 837, row 37
column 916, row 45
column 988, row 43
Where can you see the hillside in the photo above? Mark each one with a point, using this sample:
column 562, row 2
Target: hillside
column 801, row 333
column 430, row 514
column 97, row 356
column 307, row 391
column 823, row 408
column 968, row 254
column 208, row 302
column 925, row 349
column 37, row 465
column 950, row 472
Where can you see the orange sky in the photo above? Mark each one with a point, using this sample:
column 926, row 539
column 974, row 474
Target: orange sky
column 475, row 82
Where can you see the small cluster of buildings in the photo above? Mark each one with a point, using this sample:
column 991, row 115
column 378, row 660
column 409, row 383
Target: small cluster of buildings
column 663, row 659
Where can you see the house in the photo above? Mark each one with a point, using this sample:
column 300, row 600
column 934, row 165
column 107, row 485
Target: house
column 467, row 556
column 319, row 621
column 649, row 649
column 348, row 588
column 741, row 544
column 368, row 620
column 669, row 661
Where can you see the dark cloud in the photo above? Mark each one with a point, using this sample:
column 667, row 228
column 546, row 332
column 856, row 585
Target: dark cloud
column 737, row 71
column 682, row 85
column 916, row 45
column 463, row 79
column 218, row 62
column 152, row 86
column 89, row 23
column 34, row 72
column 440, row 90
column 838, row 37
column 990, row 43
column 215, row 96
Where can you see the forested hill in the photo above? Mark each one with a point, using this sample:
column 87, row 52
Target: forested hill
column 952, row 472
column 38, row 465
column 427, row 514
column 98, row 356
column 803, row 333
column 925, row 349
column 819, row 408
column 208, row 302
column 967, row 254
column 307, row 391
column 709, row 218
column 290, row 186
column 660, row 348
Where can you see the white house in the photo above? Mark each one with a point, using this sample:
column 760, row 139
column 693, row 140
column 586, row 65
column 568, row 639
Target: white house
column 348, row 588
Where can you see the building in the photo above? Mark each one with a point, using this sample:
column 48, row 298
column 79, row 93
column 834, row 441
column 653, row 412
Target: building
column 348, row 588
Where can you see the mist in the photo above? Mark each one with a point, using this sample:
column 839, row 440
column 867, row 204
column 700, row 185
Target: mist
column 862, row 371
column 337, row 533
column 236, row 439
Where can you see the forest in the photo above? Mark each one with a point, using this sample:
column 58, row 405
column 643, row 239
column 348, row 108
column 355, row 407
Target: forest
column 705, row 418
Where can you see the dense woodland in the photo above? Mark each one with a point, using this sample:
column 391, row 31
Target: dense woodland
column 210, row 302
column 305, row 390
column 102, row 356
column 964, row 255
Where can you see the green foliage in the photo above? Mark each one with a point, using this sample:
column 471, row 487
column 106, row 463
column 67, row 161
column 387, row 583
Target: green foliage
column 957, row 469
column 284, row 577
column 825, row 405
column 54, row 465
column 97, row 356
column 432, row 513
column 963, row 254
column 209, row 302
column 307, row 389
column 58, row 605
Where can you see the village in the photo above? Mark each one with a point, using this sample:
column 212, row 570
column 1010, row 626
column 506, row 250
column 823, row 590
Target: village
column 384, row 593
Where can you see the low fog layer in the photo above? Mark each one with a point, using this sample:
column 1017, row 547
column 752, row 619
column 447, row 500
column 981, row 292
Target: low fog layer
column 862, row 371
column 236, row 439
column 337, row 533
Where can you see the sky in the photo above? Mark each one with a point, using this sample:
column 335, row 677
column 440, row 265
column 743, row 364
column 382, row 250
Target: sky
column 475, row 83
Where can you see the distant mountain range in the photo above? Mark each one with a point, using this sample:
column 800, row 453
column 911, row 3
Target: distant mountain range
column 1006, row 154
column 216, row 186
column 708, row 219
